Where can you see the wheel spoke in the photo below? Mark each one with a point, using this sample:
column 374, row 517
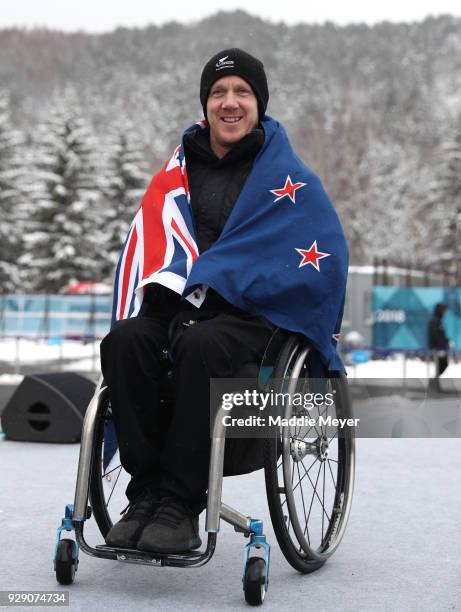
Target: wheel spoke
column 306, row 529
column 311, row 465
column 304, row 475
column 322, row 427
column 302, row 496
column 112, row 470
column 314, row 426
column 316, row 494
column 331, row 472
column 115, row 484
column 323, row 502
column 292, row 476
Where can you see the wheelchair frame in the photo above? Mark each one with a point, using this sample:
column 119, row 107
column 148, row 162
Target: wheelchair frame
column 256, row 568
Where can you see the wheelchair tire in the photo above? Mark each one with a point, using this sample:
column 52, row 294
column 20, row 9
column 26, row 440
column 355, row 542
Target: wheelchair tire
column 294, row 506
column 98, row 501
column 254, row 581
column 66, row 561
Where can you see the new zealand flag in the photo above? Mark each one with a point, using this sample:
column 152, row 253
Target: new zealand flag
column 282, row 253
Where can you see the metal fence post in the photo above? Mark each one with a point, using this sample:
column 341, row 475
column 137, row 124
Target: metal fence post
column 95, row 354
column 17, row 363
column 404, row 370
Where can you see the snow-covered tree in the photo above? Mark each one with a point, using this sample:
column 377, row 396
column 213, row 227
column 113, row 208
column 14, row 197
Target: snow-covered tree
column 445, row 207
column 392, row 226
column 126, row 181
column 11, row 198
column 65, row 236
column 365, row 106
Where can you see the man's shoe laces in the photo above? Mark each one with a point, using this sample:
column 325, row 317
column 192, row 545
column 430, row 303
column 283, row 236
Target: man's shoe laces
column 140, row 504
column 171, row 514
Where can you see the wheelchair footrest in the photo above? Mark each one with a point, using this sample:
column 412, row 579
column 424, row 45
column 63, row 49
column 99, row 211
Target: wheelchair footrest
column 126, row 558
column 132, row 555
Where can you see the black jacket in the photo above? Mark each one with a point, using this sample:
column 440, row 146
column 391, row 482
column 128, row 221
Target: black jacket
column 214, row 183
column 437, row 338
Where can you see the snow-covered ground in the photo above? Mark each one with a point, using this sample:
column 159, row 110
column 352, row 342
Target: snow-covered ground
column 32, row 351
column 398, row 366
column 66, row 356
column 76, row 356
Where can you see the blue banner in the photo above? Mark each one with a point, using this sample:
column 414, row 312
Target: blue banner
column 55, row 316
column 401, row 316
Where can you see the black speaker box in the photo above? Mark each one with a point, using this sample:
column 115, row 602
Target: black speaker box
column 48, row 408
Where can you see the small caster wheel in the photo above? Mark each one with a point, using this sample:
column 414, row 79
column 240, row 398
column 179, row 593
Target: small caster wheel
column 254, row 581
column 66, row 561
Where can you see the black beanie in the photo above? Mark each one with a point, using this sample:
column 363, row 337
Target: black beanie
column 239, row 63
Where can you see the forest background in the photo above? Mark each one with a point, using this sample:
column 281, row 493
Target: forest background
column 86, row 119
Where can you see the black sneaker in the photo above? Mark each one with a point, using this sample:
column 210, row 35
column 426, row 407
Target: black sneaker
column 172, row 529
column 138, row 513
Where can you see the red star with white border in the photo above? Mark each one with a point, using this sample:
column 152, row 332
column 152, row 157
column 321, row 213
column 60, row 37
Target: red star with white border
column 288, row 190
column 312, row 256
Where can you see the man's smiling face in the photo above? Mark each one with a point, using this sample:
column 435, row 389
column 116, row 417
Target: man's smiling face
column 232, row 112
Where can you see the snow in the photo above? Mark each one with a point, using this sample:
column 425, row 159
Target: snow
column 10, row 379
column 391, row 270
column 66, row 356
column 399, row 367
column 77, row 356
column 32, row 351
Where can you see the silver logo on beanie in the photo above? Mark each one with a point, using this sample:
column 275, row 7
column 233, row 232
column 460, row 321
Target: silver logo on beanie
column 222, row 63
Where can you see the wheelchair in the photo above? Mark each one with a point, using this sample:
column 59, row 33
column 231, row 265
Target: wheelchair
column 309, row 476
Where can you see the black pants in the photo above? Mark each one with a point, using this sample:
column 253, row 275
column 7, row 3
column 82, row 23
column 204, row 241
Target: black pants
column 441, row 361
column 170, row 450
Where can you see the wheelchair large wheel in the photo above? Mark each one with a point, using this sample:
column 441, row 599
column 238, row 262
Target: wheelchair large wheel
column 309, row 470
column 108, row 480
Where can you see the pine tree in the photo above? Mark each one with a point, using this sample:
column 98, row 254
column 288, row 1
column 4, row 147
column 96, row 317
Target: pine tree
column 391, row 227
column 11, row 198
column 126, row 182
column 65, row 230
column 445, row 207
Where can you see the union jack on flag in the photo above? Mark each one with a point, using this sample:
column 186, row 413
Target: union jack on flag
column 160, row 246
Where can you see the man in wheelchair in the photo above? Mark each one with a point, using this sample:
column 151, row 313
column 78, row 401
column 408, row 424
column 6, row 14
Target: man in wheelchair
column 272, row 253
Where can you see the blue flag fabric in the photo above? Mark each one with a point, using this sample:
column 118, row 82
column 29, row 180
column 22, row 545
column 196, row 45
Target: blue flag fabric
column 282, row 253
